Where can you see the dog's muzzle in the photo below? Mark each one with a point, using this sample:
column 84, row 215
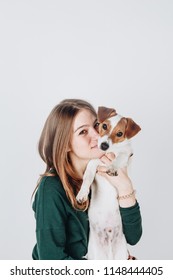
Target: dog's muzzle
column 104, row 146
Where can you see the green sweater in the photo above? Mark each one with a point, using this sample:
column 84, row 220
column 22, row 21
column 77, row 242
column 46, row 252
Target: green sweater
column 62, row 232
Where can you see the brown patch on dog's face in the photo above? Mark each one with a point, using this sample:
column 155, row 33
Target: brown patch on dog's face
column 104, row 128
column 125, row 128
column 118, row 133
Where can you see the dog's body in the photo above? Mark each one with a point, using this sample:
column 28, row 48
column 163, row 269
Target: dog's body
column 106, row 240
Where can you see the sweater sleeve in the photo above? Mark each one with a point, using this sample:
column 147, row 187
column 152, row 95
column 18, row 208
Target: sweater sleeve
column 132, row 223
column 51, row 218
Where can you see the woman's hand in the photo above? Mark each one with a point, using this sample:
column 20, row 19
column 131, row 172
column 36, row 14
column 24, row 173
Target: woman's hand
column 121, row 182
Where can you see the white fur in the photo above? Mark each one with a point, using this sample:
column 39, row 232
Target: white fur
column 106, row 239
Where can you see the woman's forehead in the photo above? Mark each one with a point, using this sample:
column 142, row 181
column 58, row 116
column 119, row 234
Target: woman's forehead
column 83, row 118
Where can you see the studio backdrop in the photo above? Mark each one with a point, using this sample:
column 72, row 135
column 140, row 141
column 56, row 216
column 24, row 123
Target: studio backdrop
column 111, row 53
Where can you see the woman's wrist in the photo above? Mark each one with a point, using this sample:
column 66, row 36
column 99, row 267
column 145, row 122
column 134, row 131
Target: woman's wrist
column 127, row 198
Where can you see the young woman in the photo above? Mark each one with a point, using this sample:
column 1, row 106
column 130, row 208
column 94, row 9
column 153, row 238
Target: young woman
column 67, row 143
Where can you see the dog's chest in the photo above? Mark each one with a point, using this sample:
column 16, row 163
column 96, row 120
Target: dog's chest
column 104, row 209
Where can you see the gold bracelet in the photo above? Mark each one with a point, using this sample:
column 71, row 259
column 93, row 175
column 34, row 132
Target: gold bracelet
column 127, row 195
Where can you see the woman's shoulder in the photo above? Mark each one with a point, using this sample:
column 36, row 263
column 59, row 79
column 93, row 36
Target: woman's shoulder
column 51, row 184
column 50, row 189
column 50, row 180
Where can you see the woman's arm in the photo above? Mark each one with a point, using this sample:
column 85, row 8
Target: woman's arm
column 129, row 207
column 50, row 224
column 132, row 223
column 122, row 182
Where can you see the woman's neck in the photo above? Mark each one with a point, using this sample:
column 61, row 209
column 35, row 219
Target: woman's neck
column 79, row 165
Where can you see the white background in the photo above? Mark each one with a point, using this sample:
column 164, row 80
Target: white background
column 109, row 52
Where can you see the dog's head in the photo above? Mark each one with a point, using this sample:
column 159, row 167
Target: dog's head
column 113, row 128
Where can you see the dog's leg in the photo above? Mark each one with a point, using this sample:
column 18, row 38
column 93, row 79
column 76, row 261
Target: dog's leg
column 88, row 178
column 120, row 161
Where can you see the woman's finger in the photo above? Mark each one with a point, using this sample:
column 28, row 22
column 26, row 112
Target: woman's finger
column 107, row 158
column 110, row 156
column 101, row 169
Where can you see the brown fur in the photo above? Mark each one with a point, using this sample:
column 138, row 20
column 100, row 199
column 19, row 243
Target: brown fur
column 105, row 113
column 103, row 132
column 120, row 127
column 132, row 128
column 126, row 125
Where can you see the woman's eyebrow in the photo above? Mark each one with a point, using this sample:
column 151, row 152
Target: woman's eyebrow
column 85, row 125
column 82, row 126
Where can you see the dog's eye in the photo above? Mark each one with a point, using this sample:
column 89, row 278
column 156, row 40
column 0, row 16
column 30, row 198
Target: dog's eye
column 104, row 126
column 119, row 134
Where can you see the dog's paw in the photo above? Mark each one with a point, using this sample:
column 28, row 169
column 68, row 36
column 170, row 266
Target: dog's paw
column 112, row 171
column 82, row 195
column 85, row 257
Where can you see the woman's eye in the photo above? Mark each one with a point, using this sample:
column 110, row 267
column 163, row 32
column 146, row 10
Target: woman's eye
column 84, row 131
column 104, row 126
column 119, row 134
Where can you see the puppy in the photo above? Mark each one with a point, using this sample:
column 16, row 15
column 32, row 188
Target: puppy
column 106, row 239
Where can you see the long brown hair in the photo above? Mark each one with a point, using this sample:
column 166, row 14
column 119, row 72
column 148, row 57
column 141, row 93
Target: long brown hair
column 54, row 144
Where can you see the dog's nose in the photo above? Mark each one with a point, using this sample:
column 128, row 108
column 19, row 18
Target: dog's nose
column 104, row 146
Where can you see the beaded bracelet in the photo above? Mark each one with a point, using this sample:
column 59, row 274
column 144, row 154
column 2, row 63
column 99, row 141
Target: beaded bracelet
column 127, row 195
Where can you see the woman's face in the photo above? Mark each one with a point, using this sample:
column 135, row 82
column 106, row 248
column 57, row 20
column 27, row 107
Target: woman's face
column 84, row 138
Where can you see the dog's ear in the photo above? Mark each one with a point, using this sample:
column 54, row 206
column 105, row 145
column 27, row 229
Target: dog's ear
column 105, row 113
column 132, row 128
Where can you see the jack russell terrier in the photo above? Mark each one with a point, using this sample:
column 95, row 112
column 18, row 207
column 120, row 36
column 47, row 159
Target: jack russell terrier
column 106, row 238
